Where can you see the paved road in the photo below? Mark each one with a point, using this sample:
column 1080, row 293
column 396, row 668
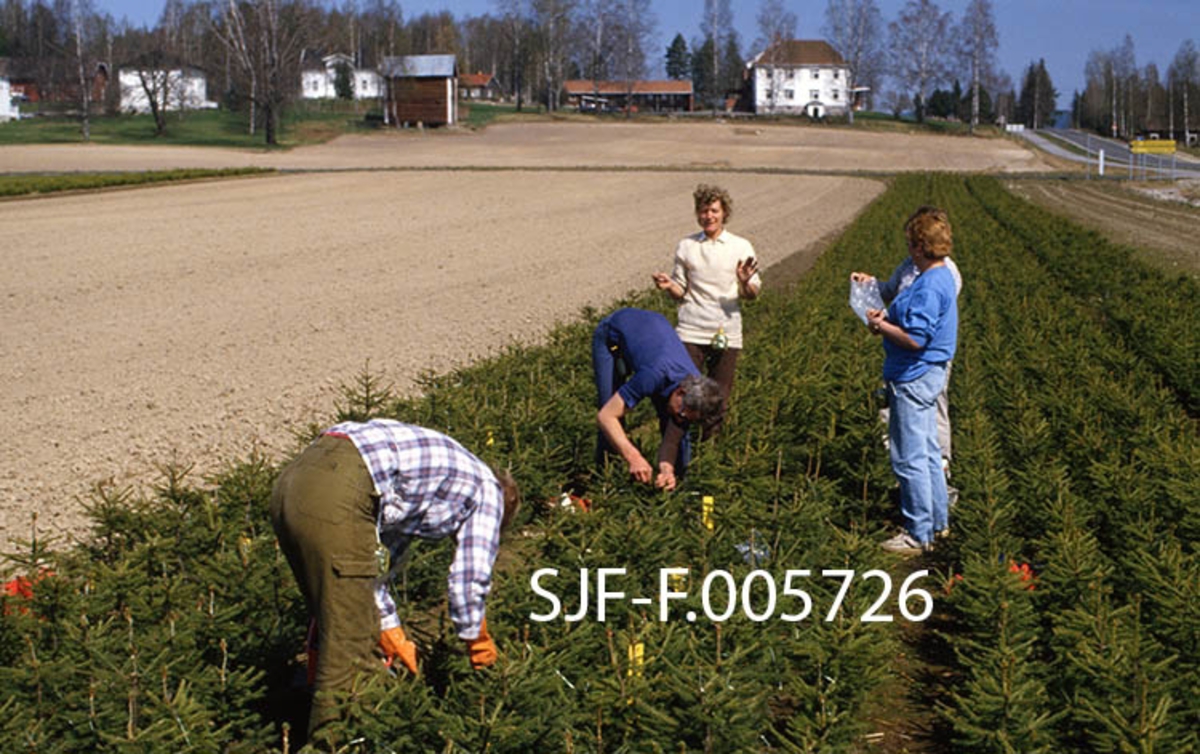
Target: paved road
column 1116, row 153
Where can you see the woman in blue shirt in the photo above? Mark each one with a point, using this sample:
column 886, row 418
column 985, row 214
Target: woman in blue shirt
column 920, row 334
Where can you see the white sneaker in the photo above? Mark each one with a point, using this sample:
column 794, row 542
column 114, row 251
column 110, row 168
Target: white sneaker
column 951, row 496
column 905, row 544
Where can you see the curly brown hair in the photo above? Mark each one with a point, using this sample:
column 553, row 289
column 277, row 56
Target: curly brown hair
column 929, row 230
column 706, row 195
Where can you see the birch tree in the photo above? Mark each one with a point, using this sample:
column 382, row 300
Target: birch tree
column 715, row 27
column 1183, row 74
column 597, row 31
column 855, row 29
column 776, row 26
column 635, row 27
column 264, row 38
column 233, row 29
column 83, row 67
column 919, row 47
column 515, row 16
column 553, row 19
column 978, row 41
column 1124, row 75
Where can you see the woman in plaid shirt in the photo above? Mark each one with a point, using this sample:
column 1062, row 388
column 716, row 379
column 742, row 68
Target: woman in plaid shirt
column 349, row 505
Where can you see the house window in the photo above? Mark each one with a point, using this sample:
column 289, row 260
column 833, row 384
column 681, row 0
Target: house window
column 791, row 74
column 814, row 94
column 816, row 73
column 834, row 94
column 836, row 74
column 789, row 94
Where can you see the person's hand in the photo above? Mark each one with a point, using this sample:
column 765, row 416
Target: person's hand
column 746, row 269
column 875, row 319
column 662, row 280
column 395, row 645
column 861, row 277
column 640, row 468
column 666, row 477
column 482, row 649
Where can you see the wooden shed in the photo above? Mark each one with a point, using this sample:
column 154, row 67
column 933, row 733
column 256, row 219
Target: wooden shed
column 642, row 96
column 421, row 89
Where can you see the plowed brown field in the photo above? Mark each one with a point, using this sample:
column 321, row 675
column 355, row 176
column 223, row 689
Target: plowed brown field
column 195, row 322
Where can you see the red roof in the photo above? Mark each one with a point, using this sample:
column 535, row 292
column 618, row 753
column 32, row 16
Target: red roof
column 475, row 79
column 575, row 87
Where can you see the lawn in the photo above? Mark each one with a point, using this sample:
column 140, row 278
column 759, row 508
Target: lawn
column 208, row 128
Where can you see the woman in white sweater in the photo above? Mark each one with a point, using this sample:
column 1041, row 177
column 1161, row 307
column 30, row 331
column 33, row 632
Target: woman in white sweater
column 714, row 269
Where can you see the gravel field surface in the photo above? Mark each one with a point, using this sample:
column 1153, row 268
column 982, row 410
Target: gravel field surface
column 198, row 322
column 544, row 145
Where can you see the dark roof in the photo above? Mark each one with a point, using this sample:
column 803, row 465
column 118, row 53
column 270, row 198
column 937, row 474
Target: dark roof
column 802, row 52
column 419, row 66
column 574, row 87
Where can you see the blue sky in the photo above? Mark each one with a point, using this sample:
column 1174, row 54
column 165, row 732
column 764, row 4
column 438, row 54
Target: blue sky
column 1061, row 31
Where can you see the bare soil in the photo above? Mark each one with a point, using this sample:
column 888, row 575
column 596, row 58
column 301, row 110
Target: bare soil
column 200, row 322
column 1145, row 216
column 557, row 145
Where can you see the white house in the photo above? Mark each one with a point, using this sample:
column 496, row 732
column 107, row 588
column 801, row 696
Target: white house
column 174, row 88
column 318, row 79
column 799, row 76
column 8, row 111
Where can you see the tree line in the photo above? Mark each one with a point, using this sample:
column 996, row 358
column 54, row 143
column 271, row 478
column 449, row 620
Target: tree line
column 1124, row 100
column 925, row 60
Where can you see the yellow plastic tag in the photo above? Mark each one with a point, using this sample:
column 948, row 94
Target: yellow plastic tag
column 637, row 658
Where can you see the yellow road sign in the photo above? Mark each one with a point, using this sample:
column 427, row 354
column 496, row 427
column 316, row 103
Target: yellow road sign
column 1152, row 146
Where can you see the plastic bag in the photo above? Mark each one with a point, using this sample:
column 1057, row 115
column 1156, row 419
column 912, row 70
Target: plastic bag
column 864, row 296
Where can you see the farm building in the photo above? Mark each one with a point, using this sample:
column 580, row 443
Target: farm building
column 798, row 76
column 643, row 96
column 478, row 86
column 181, row 88
column 60, row 93
column 318, row 77
column 420, row 89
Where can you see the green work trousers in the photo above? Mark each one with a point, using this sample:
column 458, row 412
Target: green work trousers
column 323, row 508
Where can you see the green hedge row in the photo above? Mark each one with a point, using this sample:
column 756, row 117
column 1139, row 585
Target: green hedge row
column 20, row 185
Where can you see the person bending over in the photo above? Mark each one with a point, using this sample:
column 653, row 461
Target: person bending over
column 637, row 355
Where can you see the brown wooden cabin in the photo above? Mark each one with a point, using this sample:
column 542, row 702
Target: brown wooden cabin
column 421, row 89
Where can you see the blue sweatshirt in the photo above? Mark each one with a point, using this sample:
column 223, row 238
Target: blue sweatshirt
column 928, row 311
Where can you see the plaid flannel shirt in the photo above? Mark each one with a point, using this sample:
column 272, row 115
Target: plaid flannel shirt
column 432, row 487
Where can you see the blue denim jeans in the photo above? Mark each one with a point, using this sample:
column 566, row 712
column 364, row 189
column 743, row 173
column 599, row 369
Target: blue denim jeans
column 916, row 456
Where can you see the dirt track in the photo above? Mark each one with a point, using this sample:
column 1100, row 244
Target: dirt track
column 1126, row 216
column 201, row 321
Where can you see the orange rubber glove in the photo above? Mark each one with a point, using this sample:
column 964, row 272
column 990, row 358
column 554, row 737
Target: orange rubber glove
column 395, row 644
column 482, row 648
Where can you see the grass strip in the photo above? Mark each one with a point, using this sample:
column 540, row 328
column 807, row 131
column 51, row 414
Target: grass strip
column 25, row 185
